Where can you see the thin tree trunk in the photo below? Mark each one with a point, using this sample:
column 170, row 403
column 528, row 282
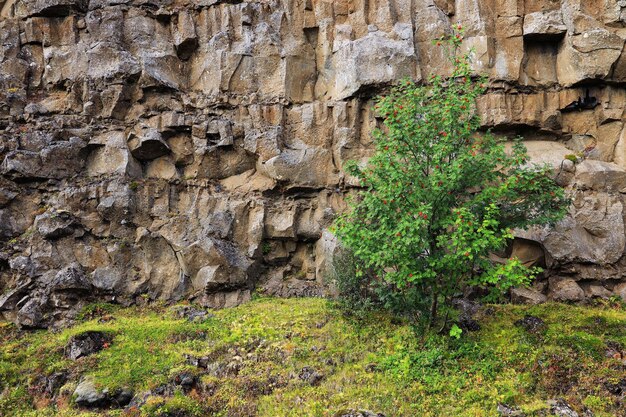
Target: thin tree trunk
column 433, row 310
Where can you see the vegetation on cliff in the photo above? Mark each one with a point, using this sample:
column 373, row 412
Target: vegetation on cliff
column 305, row 357
column 439, row 198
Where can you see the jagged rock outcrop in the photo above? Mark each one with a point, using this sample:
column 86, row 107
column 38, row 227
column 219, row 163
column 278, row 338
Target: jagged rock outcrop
column 176, row 148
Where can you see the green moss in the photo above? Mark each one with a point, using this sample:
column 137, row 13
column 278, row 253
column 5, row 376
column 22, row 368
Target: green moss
column 172, row 406
column 257, row 351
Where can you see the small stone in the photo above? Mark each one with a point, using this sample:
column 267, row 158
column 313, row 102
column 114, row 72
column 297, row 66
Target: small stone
column 561, row 409
column 54, row 382
column 468, row 324
column 310, row 375
column 531, row 324
column 186, row 380
column 617, row 389
column 193, row 314
column 508, row 411
column 568, row 165
column 124, row 397
column 358, row 413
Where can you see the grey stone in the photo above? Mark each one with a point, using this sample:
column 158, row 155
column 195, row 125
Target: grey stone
column 88, row 395
column 70, row 278
column 54, row 225
column 31, row 314
column 561, row 409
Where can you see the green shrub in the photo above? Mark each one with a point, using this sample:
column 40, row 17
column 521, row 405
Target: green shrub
column 355, row 288
column 439, row 198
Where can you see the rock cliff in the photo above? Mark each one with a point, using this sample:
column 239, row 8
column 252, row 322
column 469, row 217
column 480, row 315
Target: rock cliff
column 161, row 149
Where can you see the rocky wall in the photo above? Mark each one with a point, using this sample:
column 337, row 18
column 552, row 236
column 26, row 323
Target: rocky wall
column 167, row 149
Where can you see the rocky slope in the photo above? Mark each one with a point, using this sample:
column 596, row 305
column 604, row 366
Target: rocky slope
column 164, row 149
column 306, row 358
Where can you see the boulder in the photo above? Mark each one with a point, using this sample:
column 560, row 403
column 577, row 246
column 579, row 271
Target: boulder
column 620, row 290
column 106, row 278
column 527, row 296
column 88, row 395
column 544, row 25
column 85, row 344
column 70, row 278
column 55, row 224
column 185, row 38
column 148, row 145
column 7, row 195
column 596, row 290
column 280, row 222
column 31, row 313
column 588, row 55
column 304, row 167
column 372, row 60
column 593, row 231
column 565, row 289
column 51, row 8
column 223, row 266
column 108, row 61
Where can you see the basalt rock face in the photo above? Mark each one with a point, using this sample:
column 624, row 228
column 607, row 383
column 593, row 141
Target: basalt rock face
column 167, row 149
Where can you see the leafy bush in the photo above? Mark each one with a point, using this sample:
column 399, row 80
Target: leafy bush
column 438, row 198
column 354, row 292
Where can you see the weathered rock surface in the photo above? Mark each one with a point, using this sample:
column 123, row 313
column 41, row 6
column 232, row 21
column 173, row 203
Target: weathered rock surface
column 177, row 149
column 85, row 344
column 89, row 394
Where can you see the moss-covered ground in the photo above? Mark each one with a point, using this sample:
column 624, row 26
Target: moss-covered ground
column 260, row 357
